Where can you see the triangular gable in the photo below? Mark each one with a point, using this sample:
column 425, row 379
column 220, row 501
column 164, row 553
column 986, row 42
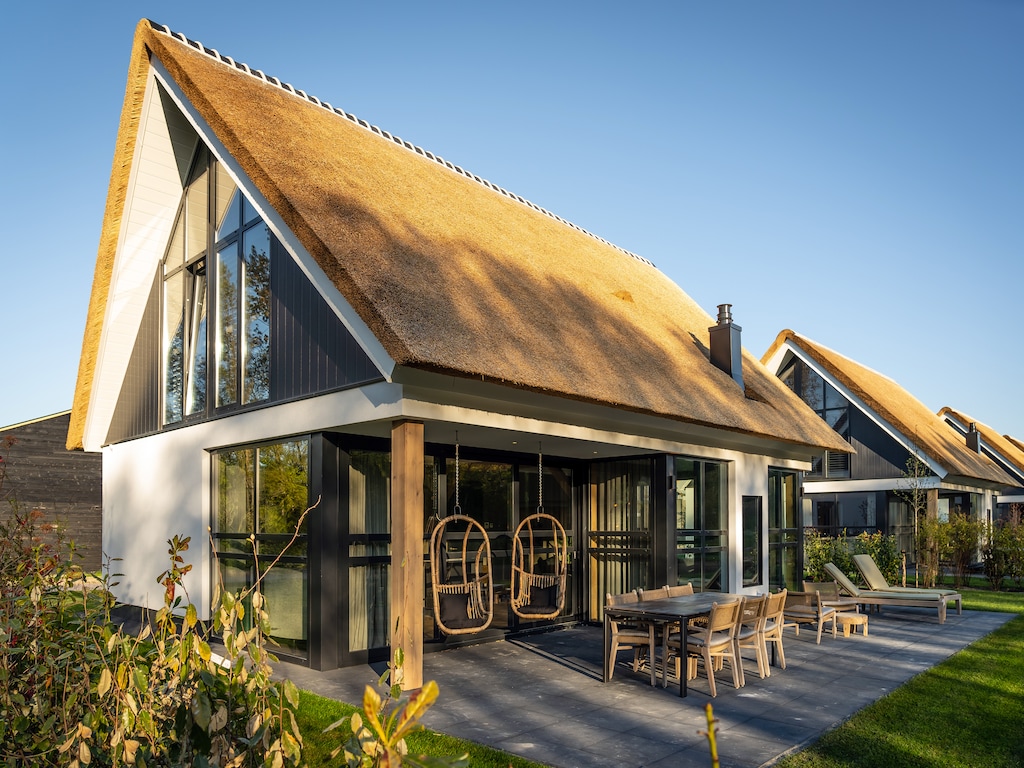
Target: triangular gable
column 123, row 361
column 454, row 275
column 893, row 408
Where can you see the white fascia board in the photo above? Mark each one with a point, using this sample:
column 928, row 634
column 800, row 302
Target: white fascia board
column 1010, row 499
column 885, row 426
column 864, row 486
column 330, row 293
column 151, row 202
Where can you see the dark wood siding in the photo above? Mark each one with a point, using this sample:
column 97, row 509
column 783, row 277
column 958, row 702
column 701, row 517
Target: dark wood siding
column 66, row 486
column 311, row 350
column 878, row 455
column 138, row 404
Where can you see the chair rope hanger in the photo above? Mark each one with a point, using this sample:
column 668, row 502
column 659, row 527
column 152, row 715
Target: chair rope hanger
column 539, row 595
column 463, row 601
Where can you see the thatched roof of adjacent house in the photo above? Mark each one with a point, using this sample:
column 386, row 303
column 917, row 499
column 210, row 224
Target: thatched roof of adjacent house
column 902, row 411
column 449, row 272
column 1002, row 444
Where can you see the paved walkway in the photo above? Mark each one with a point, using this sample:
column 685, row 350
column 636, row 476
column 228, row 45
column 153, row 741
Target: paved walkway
column 542, row 696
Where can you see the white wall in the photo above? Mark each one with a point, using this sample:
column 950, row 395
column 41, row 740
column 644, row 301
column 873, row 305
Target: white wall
column 155, row 488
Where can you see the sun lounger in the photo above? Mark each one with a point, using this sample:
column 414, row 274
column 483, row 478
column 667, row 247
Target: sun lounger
column 875, row 579
column 922, row 599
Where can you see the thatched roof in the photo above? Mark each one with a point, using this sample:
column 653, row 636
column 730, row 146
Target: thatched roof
column 450, row 273
column 901, row 410
column 1001, row 444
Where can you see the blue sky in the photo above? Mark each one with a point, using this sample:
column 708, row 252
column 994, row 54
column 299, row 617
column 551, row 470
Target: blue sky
column 853, row 171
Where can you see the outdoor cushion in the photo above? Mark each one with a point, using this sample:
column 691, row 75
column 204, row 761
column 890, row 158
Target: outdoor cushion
column 919, row 599
column 843, row 580
column 875, row 579
column 542, row 600
column 455, row 612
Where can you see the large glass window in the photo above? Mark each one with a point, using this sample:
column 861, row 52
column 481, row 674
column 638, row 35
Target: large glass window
column 215, row 217
column 701, row 528
column 830, row 405
column 785, row 569
column 262, row 493
column 369, row 549
column 619, row 545
column 752, row 522
column 184, row 327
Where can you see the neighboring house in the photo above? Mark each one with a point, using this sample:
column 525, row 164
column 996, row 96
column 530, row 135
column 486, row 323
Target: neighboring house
column 1007, row 453
column 40, row 473
column 868, row 490
column 292, row 308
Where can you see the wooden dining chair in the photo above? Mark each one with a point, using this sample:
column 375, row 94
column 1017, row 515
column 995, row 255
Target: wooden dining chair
column 680, row 590
column 627, row 634
column 772, row 630
column 711, row 644
column 808, row 608
column 751, row 633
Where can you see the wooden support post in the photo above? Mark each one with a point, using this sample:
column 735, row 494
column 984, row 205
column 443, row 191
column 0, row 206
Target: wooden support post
column 407, row 549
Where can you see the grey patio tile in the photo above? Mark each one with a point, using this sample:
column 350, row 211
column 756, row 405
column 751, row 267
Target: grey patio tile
column 541, row 696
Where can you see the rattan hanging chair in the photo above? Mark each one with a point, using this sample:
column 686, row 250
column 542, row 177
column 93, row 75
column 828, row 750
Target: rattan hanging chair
column 540, row 561
column 460, row 575
column 460, row 571
column 540, row 564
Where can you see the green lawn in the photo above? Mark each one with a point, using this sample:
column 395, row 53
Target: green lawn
column 316, row 713
column 966, row 712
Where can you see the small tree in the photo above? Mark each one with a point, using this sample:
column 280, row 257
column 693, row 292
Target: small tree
column 1014, row 542
column 963, row 533
column 912, row 489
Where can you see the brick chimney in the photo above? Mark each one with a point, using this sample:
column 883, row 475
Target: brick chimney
column 726, row 350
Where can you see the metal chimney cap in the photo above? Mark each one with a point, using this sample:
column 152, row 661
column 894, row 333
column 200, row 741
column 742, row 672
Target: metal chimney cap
column 724, row 314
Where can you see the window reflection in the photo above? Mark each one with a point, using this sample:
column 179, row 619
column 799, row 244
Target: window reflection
column 263, row 492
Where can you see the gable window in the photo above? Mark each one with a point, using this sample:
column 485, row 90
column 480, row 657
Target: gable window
column 215, row 218
column 830, row 405
column 184, row 328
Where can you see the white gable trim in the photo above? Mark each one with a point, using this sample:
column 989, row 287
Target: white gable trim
column 330, row 293
column 775, row 365
column 151, row 202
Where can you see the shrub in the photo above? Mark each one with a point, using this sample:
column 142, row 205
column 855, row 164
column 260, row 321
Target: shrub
column 820, row 549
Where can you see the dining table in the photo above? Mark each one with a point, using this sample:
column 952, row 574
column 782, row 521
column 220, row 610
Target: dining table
column 662, row 612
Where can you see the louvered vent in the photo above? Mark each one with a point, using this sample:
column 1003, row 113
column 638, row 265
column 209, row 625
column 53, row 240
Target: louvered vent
column 838, row 464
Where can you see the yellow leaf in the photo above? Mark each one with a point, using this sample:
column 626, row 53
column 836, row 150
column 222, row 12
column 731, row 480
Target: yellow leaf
column 104, row 684
column 131, row 746
column 84, row 755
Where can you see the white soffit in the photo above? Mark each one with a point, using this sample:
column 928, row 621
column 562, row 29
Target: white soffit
column 330, row 293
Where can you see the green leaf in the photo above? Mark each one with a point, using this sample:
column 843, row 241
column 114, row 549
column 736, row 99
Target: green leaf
column 291, row 693
column 201, row 710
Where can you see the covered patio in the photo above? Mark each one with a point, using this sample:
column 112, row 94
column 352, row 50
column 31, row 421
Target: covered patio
column 541, row 696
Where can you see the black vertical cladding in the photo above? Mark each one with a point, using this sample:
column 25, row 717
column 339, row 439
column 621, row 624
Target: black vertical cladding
column 311, row 349
column 138, row 403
